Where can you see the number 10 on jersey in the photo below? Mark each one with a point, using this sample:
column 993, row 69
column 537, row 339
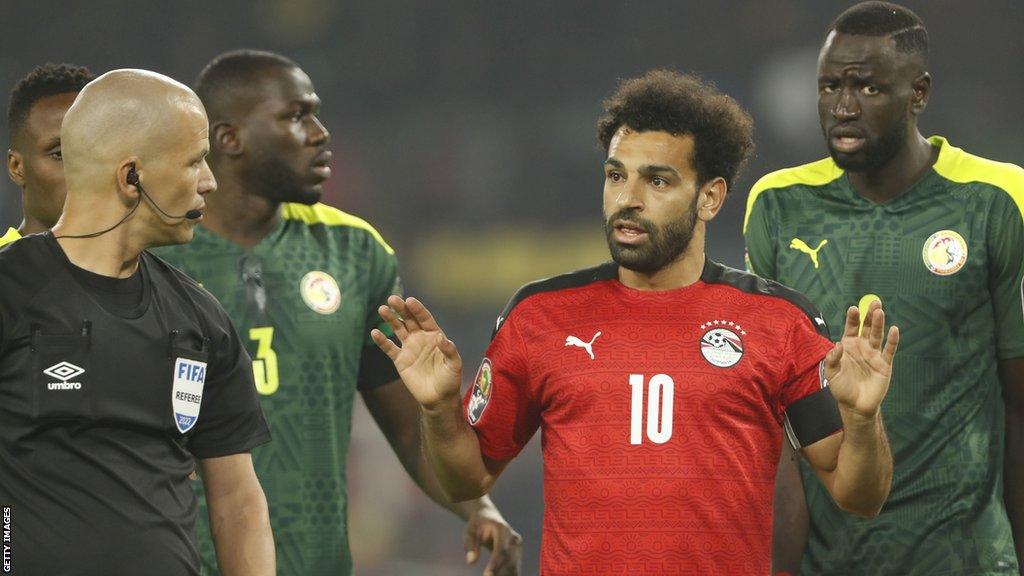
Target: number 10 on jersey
column 660, row 397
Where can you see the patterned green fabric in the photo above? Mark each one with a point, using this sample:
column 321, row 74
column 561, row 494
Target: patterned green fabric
column 324, row 273
column 945, row 257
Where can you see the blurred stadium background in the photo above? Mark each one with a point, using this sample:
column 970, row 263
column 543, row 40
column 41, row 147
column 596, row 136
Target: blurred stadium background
column 464, row 131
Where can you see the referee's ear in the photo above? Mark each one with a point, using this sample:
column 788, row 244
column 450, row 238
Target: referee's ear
column 127, row 184
column 226, row 139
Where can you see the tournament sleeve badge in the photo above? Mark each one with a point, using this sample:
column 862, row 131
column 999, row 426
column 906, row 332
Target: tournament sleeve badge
column 187, row 392
column 483, row 386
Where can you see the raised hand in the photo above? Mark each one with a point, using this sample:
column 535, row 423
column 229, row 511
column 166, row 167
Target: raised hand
column 427, row 360
column 858, row 368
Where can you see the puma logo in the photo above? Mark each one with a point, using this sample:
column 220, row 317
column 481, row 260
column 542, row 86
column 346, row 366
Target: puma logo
column 588, row 346
column 798, row 244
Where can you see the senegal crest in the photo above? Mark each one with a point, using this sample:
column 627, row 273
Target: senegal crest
column 945, row 253
column 481, row 395
column 320, row 292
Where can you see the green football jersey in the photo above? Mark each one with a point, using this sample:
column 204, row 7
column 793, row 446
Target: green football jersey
column 946, row 259
column 304, row 299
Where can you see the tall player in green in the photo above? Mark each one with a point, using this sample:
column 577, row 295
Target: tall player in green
column 302, row 282
column 938, row 235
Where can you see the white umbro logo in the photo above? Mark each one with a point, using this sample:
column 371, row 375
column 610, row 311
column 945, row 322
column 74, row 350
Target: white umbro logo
column 588, row 346
column 64, row 371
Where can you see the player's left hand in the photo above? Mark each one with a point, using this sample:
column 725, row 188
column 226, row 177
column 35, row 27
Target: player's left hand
column 858, row 368
column 486, row 527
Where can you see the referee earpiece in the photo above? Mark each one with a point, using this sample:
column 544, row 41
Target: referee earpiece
column 132, row 177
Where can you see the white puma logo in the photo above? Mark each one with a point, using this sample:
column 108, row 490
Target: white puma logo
column 588, row 346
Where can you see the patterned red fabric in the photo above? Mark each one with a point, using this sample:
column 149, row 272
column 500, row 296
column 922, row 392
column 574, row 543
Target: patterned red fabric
column 624, row 492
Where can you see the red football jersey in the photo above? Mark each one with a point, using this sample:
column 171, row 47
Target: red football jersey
column 662, row 415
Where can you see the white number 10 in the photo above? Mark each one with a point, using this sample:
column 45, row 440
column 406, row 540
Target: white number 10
column 660, row 395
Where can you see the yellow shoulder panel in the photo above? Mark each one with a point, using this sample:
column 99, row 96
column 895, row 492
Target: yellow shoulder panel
column 958, row 166
column 328, row 216
column 10, row 236
column 814, row 174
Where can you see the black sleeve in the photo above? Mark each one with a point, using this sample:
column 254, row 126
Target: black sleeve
column 230, row 418
column 375, row 368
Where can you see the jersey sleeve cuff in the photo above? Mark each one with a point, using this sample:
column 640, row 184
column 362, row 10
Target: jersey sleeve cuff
column 1010, row 352
column 503, row 455
column 375, row 368
column 229, row 448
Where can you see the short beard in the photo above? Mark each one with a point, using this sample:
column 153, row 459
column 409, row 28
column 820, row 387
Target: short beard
column 281, row 184
column 664, row 244
column 875, row 155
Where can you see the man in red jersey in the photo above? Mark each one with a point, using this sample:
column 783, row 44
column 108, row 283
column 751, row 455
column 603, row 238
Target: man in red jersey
column 661, row 380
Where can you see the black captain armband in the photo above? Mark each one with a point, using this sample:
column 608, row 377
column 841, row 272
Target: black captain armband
column 812, row 418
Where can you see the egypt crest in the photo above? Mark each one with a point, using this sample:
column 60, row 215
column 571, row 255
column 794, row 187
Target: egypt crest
column 721, row 345
column 481, row 395
column 187, row 392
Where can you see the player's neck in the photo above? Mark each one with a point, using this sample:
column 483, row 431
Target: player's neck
column 684, row 271
column 32, row 225
column 238, row 215
column 899, row 173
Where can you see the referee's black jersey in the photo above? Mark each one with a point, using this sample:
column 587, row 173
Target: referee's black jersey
column 103, row 411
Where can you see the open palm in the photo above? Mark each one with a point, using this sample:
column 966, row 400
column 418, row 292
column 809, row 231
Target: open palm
column 859, row 368
column 427, row 360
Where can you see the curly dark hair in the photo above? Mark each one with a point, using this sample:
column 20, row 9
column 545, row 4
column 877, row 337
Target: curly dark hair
column 668, row 101
column 44, row 81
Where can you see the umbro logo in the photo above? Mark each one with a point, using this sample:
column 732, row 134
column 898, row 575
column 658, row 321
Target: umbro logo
column 64, row 371
column 588, row 346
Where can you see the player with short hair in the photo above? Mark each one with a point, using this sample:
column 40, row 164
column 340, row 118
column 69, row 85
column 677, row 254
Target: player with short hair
column 303, row 280
column 662, row 381
column 36, row 108
column 937, row 234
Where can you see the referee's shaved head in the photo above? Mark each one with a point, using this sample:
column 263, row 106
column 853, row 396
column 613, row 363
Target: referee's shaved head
column 127, row 131
column 123, row 113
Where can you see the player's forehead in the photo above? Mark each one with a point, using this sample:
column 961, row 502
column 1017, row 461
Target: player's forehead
column 843, row 54
column 281, row 86
column 45, row 117
column 635, row 149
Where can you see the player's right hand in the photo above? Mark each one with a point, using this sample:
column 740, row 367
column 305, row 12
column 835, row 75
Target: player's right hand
column 427, row 360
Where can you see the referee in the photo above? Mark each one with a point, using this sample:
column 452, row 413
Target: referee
column 117, row 372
